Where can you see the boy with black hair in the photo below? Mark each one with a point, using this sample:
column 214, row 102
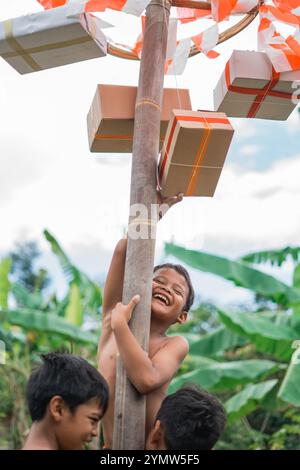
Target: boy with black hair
column 66, row 397
column 189, row 419
column 172, row 297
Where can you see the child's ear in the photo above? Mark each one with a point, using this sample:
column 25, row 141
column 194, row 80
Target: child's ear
column 182, row 317
column 155, row 440
column 57, row 408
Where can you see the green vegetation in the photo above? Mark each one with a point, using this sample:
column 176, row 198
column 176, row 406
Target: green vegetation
column 250, row 359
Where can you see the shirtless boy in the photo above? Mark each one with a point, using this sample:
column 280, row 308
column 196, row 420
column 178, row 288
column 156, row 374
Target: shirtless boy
column 172, row 297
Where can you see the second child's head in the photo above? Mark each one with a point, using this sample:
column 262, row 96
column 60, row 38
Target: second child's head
column 172, row 293
column 189, row 419
column 69, row 396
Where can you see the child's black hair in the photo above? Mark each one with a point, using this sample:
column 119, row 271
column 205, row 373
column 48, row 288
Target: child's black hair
column 181, row 270
column 192, row 419
column 67, row 376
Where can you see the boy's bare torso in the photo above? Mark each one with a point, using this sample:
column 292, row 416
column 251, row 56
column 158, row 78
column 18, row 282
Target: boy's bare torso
column 107, row 366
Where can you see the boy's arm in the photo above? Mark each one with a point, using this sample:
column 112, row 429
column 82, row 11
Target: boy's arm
column 113, row 288
column 144, row 373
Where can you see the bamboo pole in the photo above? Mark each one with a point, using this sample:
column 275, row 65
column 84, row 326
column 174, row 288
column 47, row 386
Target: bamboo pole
column 129, row 424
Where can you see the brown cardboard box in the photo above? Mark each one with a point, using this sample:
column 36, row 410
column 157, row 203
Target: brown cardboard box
column 111, row 116
column 249, row 87
column 194, row 152
column 52, row 38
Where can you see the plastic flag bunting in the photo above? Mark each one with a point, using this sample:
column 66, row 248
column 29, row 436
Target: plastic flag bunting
column 290, row 6
column 177, row 65
column 207, row 40
column 283, row 53
column 276, row 14
column 171, row 45
column 48, row 4
column 186, row 15
column 133, row 7
column 220, row 10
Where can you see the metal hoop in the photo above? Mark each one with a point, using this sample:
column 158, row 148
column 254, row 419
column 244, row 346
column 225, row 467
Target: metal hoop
column 123, row 52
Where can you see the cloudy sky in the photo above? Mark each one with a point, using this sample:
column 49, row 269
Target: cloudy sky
column 48, row 178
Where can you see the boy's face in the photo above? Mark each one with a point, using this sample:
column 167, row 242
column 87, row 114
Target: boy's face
column 169, row 295
column 75, row 430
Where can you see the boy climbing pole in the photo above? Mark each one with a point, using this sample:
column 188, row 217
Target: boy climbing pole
column 172, row 297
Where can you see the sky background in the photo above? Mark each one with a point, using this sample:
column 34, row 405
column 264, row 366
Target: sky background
column 49, row 179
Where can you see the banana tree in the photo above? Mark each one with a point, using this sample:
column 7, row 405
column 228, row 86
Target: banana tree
column 34, row 314
column 84, row 295
column 272, row 337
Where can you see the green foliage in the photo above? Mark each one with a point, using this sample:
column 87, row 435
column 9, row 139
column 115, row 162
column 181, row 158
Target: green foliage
column 23, row 260
column 34, row 323
column 90, row 293
column 248, row 399
column 289, row 390
column 224, row 375
column 74, row 310
column 272, row 339
column 288, row 435
column 220, row 340
column 25, row 298
column 5, row 266
column 275, row 257
column 262, row 414
column 240, row 273
column 33, row 320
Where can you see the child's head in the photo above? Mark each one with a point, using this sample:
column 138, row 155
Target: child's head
column 189, row 419
column 70, row 396
column 172, row 292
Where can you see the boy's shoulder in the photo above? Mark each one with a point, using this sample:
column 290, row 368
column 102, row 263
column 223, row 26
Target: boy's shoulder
column 178, row 339
column 177, row 344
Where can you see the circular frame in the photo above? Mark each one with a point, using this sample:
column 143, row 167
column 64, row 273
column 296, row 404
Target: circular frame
column 124, row 52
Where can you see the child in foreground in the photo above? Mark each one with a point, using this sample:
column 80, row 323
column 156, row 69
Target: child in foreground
column 189, row 419
column 67, row 398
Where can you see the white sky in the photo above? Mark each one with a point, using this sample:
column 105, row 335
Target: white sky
column 48, row 178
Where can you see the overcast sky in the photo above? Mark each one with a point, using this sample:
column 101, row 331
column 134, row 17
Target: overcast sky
column 49, row 179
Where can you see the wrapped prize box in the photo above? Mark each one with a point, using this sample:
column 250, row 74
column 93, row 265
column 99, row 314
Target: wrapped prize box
column 194, row 152
column 111, row 116
column 250, row 87
column 52, row 38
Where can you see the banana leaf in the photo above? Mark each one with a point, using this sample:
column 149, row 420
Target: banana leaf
column 240, row 273
column 296, row 284
column 248, row 399
column 33, row 320
column 268, row 337
column 74, row 311
column 224, row 375
column 216, row 342
column 275, row 257
column 5, row 265
column 25, row 298
column 290, row 387
column 90, row 293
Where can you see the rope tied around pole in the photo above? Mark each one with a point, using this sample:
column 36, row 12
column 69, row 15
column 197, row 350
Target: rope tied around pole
column 148, row 101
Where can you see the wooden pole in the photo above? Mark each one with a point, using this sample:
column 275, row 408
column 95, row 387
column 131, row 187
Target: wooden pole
column 129, row 424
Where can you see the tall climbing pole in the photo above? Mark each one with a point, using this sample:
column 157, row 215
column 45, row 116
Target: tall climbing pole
column 130, row 407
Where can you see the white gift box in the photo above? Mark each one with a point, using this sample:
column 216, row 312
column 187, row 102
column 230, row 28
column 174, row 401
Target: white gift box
column 52, row 38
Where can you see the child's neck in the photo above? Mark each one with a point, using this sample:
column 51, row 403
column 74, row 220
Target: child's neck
column 41, row 437
column 157, row 329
